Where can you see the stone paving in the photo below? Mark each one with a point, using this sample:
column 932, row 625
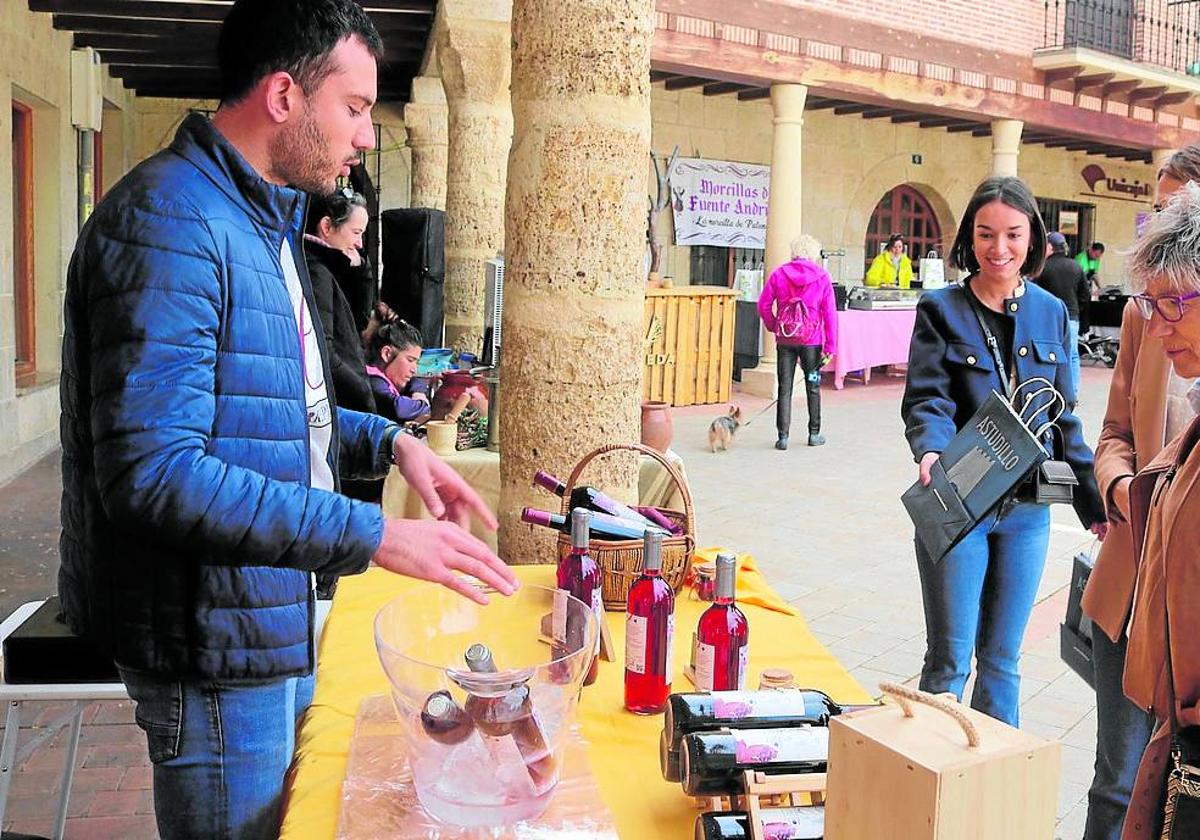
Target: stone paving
column 825, row 524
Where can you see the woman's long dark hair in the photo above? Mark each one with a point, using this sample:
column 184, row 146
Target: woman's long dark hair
column 1013, row 192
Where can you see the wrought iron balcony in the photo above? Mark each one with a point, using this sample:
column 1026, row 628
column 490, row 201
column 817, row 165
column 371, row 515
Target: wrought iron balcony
column 1162, row 33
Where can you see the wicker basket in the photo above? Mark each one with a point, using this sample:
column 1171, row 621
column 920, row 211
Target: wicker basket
column 620, row 561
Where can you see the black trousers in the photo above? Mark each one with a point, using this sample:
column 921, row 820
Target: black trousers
column 809, row 356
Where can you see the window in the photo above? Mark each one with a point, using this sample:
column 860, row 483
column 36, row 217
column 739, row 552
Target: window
column 22, row 193
column 905, row 211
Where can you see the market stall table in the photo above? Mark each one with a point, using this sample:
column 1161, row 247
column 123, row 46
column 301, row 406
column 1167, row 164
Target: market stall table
column 867, row 338
column 622, row 747
column 481, row 469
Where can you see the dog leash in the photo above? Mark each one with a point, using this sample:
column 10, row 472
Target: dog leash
column 761, row 413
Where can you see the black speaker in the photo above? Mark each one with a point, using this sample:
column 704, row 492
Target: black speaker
column 414, row 268
column 44, row 650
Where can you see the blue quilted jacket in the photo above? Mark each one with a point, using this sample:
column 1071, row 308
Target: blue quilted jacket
column 188, row 526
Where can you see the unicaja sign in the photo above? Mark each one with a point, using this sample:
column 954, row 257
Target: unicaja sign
column 1098, row 183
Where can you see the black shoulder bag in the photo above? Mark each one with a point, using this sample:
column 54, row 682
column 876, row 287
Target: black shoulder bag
column 1054, row 481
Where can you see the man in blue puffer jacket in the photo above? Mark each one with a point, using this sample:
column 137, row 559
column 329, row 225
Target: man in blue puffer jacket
column 201, row 447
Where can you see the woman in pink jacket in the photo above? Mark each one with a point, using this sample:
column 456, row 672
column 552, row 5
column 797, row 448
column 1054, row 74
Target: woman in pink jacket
column 797, row 305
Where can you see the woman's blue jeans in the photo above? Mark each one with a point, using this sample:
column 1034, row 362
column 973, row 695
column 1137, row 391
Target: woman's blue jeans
column 977, row 602
column 220, row 752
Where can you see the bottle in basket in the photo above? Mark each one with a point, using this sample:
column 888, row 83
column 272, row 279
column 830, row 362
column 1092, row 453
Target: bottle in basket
column 592, row 499
column 649, row 631
column 605, row 527
column 722, row 636
column 579, row 575
column 807, row 823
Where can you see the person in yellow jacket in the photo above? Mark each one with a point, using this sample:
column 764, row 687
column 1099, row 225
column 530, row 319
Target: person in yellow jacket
column 891, row 267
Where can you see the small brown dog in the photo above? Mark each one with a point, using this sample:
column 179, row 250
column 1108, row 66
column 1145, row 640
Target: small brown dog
column 722, row 430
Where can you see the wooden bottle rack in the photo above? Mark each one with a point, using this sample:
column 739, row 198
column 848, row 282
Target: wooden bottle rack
column 768, row 791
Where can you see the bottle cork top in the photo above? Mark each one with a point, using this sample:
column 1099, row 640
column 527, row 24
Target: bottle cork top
column 652, row 551
column 581, row 522
column 776, row 678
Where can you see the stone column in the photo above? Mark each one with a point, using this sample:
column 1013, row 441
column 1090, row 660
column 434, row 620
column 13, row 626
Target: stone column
column 784, row 209
column 570, row 372
column 1006, row 145
column 475, row 66
column 425, row 121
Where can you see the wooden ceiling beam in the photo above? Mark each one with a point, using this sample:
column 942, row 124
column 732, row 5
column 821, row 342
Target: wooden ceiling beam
column 982, row 131
column 718, row 88
column 1120, row 88
column 1058, row 74
column 841, row 109
column 135, row 9
column 164, row 60
column 938, row 122
column 660, row 76
column 390, row 26
column 1147, row 93
column 877, row 113
column 958, row 128
column 754, row 93
column 685, row 82
column 1174, row 98
column 1092, row 80
column 908, row 118
column 814, row 103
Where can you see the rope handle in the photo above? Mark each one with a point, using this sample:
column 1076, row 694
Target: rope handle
column 688, row 510
column 905, row 697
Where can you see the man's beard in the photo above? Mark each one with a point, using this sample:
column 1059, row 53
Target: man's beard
column 300, row 156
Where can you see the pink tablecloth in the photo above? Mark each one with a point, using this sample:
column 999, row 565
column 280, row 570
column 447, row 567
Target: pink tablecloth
column 868, row 338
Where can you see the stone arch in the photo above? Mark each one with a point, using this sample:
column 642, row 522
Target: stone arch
column 888, row 174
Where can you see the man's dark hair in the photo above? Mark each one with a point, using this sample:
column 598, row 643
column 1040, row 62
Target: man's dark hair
column 261, row 37
column 1098, row 246
column 399, row 334
column 1013, row 192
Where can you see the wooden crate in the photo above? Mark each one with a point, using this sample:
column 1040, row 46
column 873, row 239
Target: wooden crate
column 688, row 344
column 918, row 777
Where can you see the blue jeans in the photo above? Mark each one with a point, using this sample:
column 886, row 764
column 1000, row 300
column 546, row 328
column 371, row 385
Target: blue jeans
column 1122, row 732
column 1073, row 352
column 977, row 601
column 220, row 752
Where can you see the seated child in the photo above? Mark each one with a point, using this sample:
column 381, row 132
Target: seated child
column 392, row 355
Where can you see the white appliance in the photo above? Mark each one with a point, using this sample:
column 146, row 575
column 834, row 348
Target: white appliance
column 492, row 314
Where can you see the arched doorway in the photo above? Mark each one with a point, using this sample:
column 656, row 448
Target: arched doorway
column 905, row 211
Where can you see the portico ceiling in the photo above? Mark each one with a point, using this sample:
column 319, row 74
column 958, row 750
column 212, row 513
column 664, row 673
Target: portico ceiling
column 898, row 114
column 168, row 47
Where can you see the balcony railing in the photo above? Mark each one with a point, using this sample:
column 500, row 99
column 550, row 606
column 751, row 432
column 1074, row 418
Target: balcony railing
column 1163, row 33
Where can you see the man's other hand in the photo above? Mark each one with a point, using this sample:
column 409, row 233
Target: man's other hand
column 445, row 494
column 436, row 551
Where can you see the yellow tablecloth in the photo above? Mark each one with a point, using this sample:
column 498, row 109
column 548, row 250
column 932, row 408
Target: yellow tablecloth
column 481, row 469
column 623, row 748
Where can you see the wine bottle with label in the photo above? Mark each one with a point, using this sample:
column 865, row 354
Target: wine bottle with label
column 712, row 763
column 592, row 499
column 806, row 823
column 603, row 526
column 500, row 711
column 649, row 633
column 579, row 575
column 722, row 635
column 769, row 709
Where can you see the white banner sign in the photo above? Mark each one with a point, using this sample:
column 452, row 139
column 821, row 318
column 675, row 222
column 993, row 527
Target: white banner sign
column 717, row 202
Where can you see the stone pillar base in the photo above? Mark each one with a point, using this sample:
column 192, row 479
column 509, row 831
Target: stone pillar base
column 760, row 381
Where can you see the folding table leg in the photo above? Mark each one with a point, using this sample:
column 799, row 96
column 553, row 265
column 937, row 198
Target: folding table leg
column 68, row 774
column 8, row 753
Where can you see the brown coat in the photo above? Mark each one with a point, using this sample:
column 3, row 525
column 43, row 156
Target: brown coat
column 1134, row 428
column 1162, row 664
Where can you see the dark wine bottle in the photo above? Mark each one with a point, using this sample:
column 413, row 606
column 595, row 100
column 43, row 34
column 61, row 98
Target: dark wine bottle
column 649, row 633
column 508, row 711
column 722, row 635
column 579, row 575
column 444, row 720
column 656, row 516
column 668, row 759
column 603, row 526
column 591, row 499
column 806, row 823
column 711, row 763
column 770, row 709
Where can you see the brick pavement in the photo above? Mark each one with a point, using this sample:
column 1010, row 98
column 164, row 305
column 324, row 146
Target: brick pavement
column 825, row 524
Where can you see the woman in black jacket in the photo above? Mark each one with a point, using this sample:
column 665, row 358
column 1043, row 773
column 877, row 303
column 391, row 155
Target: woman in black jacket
column 332, row 244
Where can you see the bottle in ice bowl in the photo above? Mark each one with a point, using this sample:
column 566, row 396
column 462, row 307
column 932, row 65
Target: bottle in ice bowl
column 485, row 699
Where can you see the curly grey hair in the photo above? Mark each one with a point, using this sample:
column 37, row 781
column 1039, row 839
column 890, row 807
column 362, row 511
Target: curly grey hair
column 1169, row 248
column 806, row 247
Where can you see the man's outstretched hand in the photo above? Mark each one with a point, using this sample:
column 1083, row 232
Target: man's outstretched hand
column 436, row 550
column 431, row 550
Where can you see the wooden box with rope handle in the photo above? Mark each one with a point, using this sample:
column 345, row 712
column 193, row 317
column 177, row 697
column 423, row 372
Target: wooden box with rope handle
column 928, row 768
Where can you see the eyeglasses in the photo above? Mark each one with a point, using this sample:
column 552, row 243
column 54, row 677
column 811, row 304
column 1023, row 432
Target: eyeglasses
column 1169, row 307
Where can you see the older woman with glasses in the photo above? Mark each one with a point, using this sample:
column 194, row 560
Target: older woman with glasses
column 1147, row 407
column 1162, row 664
